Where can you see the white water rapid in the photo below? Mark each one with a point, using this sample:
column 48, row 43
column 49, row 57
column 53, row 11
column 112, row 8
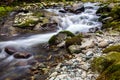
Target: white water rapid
column 72, row 22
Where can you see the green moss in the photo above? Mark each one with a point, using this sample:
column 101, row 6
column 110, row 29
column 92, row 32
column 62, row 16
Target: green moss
column 100, row 64
column 28, row 23
column 104, row 9
column 115, row 48
column 76, row 40
column 114, row 23
column 38, row 14
column 68, row 33
column 52, row 40
column 4, row 10
column 108, row 66
column 115, row 13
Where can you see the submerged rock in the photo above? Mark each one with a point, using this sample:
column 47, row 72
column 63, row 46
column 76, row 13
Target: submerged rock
column 10, row 50
column 22, row 55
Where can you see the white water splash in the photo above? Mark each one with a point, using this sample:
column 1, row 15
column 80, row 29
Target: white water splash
column 72, row 22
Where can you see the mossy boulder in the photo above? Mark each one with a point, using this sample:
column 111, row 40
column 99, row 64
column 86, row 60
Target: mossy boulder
column 60, row 37
column 108, row 66
column 25, row 20
column 103, row 9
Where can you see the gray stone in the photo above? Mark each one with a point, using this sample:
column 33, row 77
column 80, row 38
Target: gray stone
column 53, row 74
column 74, row 48
column 103, row 44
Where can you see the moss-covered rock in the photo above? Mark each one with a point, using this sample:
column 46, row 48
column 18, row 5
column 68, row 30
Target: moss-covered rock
column 68, row 33
column 25, row 20
column 108, row 66
column 114, row 21
column 61, row 36
column 115, row 48
column 104, row 9
column 76, row 40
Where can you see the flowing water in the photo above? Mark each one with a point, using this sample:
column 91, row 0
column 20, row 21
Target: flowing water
column 75, row 23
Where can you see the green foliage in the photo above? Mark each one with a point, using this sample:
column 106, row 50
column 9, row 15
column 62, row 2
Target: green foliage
column 115, row 48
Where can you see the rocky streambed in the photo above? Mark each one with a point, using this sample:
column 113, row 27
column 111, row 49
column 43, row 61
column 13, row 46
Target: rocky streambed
column 53, row 42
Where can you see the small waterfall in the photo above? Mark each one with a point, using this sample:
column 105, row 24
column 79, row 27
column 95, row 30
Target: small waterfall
column 72, row 22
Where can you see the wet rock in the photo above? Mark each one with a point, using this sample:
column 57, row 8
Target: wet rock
column 0, row 50
column 21, row 63
column 55, row 19
column 103, row 44
column 76, row 8
column 21, row 10
column 10, row 50
column 49, row 27
column 37, row 26
column 103, row 9
column 62, row 11
column 74, row 48
column 22, row 55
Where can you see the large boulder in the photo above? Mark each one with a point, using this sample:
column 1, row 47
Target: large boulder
column 60, row 37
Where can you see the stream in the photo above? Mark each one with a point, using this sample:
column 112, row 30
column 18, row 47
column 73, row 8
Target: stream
column 75, row 23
